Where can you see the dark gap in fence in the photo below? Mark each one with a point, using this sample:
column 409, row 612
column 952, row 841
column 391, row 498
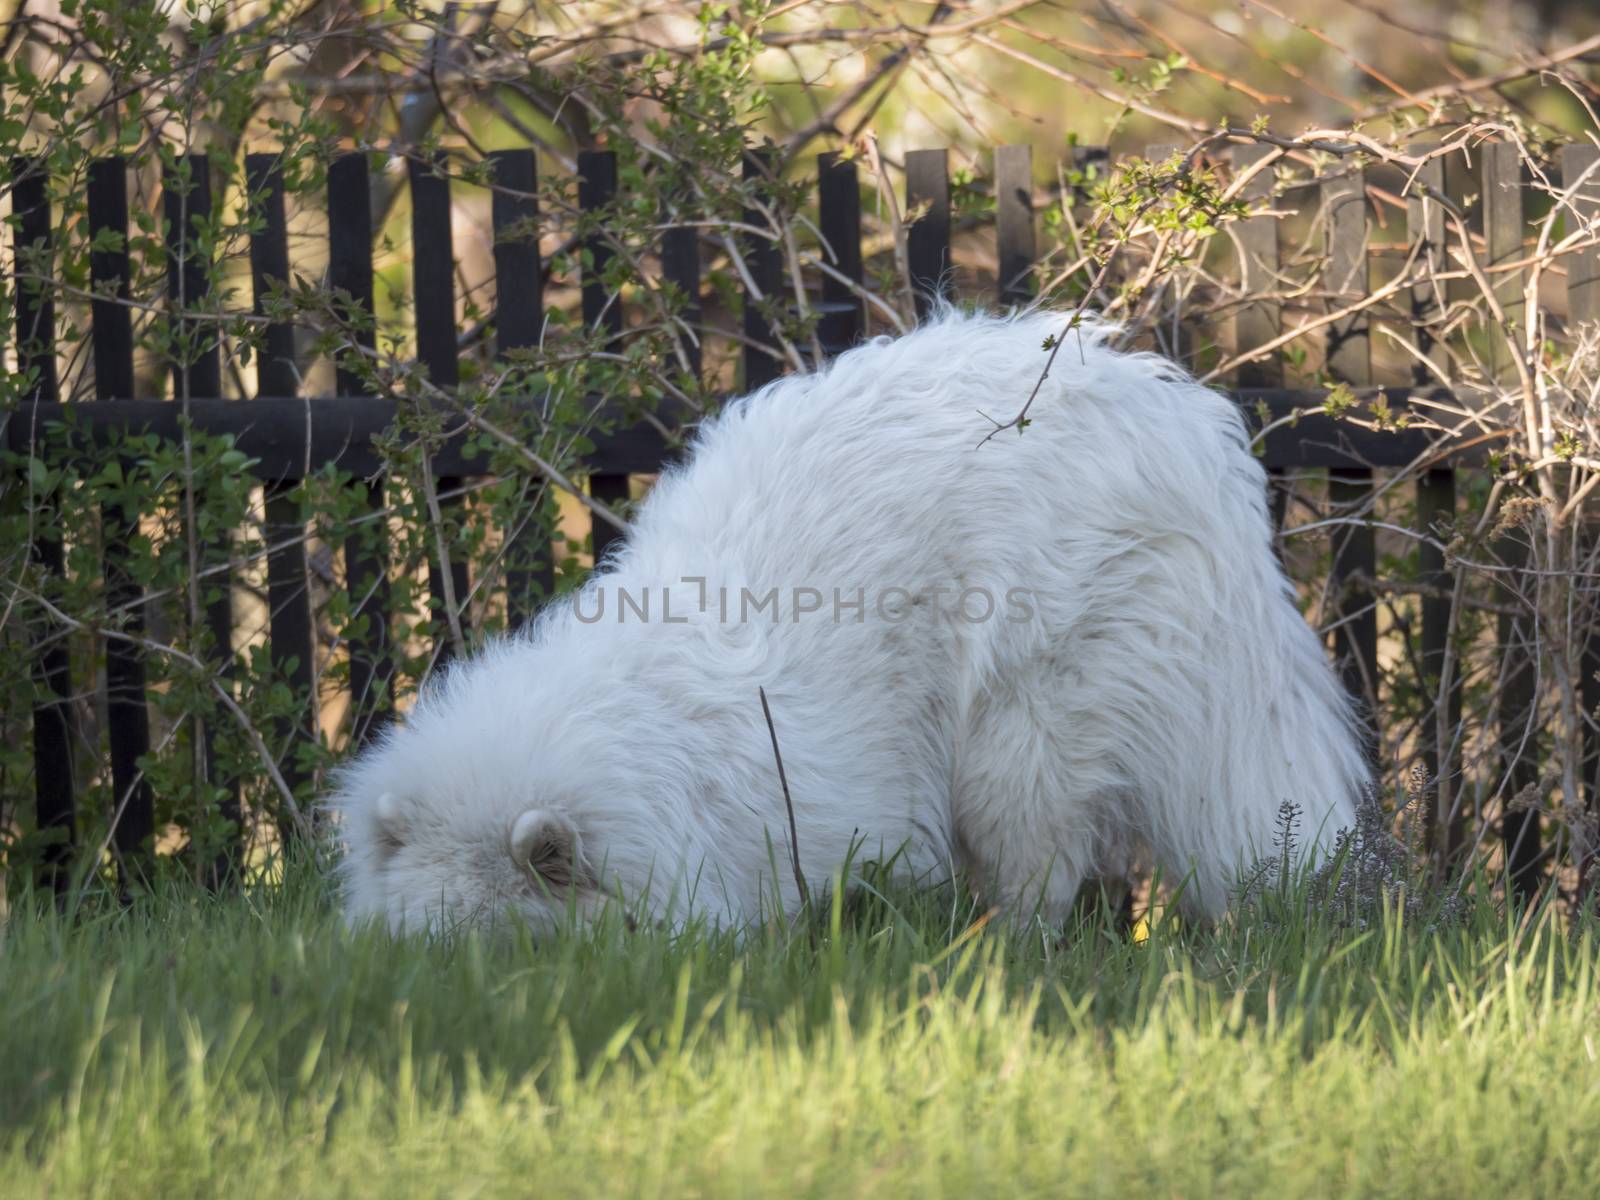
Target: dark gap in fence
column 1088, row 166
column 1355, row 637
column 55, row 804
column 840, row 313
column 1349, row 350
column 928, row 234
column 597, row 190
column 1015, row 247
column 1091, row 163
column 612, row 490
column 290, row 632
column 519, row 322
column 1436, row 510
column 1519, row 739
column 366, row 548
column 127, row 718
column 434, row 300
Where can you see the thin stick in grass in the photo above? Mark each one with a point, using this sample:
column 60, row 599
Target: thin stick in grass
column 788, row 804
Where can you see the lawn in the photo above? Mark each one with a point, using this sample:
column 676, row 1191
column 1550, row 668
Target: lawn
column 893, row 1045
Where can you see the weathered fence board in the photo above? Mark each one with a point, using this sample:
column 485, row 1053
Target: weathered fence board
column 1355, row 550
column 1436, row 505
column 1015, row 246
column 1580, row 172
column 1260, row 321
column 1503, row 230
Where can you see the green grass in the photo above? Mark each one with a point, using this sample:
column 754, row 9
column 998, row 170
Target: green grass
column 251, row 1046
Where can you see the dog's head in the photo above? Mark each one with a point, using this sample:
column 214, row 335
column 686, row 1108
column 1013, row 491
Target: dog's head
column 429, row 858
column 496, row 798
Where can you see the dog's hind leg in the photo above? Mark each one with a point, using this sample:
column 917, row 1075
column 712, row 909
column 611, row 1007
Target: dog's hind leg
column 1029, row 809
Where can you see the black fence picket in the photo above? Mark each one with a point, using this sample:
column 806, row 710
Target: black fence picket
column 289, row 625
column 680, row 266
column 433, row 280
column 197, row 371
column 518, row 272
column 928, row 231
column 54, row 811
column 366, row 552
column 518, row 325
column 186, row 205
column 840, row 314
column 127, row 717
column 764, row 267
column 602, row 310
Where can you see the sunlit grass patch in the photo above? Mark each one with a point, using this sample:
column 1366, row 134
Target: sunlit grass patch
column 893, row 1043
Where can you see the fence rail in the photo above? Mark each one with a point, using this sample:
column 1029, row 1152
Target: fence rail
column 287, row 434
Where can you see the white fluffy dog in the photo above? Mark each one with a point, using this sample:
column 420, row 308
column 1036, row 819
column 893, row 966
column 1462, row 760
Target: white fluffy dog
column 1032, row 658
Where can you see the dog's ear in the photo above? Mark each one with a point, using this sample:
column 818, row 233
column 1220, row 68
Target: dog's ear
column 388, row 824
column 547, row 844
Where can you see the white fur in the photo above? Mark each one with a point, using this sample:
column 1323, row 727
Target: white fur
column 1165, row 695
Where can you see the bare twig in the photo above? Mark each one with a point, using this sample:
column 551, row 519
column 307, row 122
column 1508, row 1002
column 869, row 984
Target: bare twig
column 788, row 804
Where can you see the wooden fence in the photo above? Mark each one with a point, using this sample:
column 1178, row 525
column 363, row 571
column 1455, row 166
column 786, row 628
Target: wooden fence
column 283, row 432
